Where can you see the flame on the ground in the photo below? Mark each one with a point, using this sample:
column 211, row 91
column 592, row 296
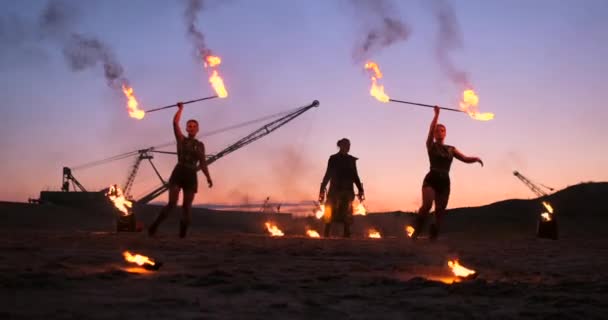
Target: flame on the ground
column 410, row 231
column 374, row 234
column 274, row 230
column 216, row 81
column 547, row 216
column 138, row 259
column 132, row 104
column 459, row 270
column 118, row 198
column 312, row 233
column 376, row 90
column 360, row 209
column 469, row 105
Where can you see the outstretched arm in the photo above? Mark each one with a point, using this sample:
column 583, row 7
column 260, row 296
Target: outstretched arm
column 466, row 159
column 202, row 162
column 176, row 129
column 429, row 138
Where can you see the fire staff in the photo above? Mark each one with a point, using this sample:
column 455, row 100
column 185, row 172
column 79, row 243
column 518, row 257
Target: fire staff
column 436, row 184
column 191, row 157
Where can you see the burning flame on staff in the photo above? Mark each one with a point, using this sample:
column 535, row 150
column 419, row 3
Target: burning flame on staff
column 132, row 104
column 459, row 270
column 469, row 105
column 409, row 230
column 547, row 216
column 374, row 234
column 118, row 198
column 376, row 90
column 312, row 233
column 274, row 230
column 211, row 62
column 138, row 259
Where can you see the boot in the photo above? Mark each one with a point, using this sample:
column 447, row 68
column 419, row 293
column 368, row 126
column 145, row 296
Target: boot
column 434, row 232
column 183, row 228
column 418, row 225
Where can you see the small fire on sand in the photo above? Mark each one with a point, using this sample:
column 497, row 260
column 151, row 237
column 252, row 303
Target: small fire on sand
column 460, row 271
column 409, row 230
column 374, row 234
column 141, row 261
column 274, row 230
column 312, row 233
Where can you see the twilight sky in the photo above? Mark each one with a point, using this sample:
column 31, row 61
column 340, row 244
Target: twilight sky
column 540, row 66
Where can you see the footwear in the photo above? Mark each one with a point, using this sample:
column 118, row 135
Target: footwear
column 434, row 232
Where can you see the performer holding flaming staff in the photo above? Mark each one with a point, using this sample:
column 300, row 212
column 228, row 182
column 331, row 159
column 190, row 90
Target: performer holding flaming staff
column 341, row 173
column 190, row 157
column 436, row 184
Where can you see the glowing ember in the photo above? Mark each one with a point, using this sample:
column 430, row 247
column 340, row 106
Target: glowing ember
column 138, row 259
column 360, row 210
column 312, row 233
column 410, row 231
column 132, row 103
column 374, row 234
column 118, row 198
column 274, row 230
column 216, row 81
column 377, row 90
column 469, row 105
column 459, row 270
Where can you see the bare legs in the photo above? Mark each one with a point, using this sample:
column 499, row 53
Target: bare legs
column 164, row 213
column 428, row 197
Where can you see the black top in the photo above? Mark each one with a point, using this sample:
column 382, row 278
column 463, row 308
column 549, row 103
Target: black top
column 440, row 157
column 342, row 172
column 188, row 152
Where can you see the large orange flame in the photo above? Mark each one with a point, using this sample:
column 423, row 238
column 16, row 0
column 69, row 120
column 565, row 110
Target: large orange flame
column 459, row 270
column 376, row 90
column 469, row 105
column 274, row 230
column 118, row 198
column 312, row 233
column 409, row 230
column 216, row 81
column 138, row 259
column 374, row 234
column 132, row 104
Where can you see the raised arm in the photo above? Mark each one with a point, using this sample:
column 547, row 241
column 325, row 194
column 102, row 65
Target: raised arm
column 202, row 162
column 429, row 138
column 458, row 155
column 176, row 129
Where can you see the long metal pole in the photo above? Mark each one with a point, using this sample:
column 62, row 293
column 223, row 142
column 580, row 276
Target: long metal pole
column 187, row 102
column 423, row 105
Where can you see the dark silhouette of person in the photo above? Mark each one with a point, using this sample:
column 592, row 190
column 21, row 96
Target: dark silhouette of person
column 436, row 184
column 341, row 174
column 190, row 157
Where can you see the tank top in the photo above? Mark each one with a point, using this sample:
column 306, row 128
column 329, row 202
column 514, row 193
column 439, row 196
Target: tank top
column 440, row 157
column 188, row 150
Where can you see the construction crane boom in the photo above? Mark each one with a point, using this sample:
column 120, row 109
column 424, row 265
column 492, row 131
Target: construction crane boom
column 67, row 178
column 257, row 134
column 536, row 189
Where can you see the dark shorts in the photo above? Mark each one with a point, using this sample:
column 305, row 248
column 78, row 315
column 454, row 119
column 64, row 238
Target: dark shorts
column 341, row 206
column 185, row 178
column 439, row 181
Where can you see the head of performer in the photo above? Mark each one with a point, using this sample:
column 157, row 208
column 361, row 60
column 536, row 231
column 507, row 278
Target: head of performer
column 344, row 145
column 439, row 133
column 192, row 128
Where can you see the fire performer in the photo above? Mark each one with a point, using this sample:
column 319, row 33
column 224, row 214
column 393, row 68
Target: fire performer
column 190, row 157
column 341, row 173
column 436, row 184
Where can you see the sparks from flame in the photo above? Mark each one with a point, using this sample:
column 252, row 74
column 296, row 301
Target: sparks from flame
column 376, row 90
column 374, row 234
column 274, row 230
column 138, row 259
column 118, row 198
column 216, row 81
column 312, row 233
column 132, row 104
column 459, row 270
column 469, row 105
column 409, row 230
